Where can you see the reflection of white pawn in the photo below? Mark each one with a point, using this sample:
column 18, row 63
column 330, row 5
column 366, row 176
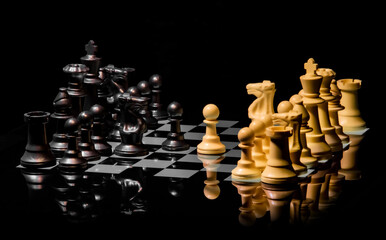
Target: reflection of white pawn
column 211, row 141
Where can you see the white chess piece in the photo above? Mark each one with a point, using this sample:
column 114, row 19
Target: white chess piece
column 210, row 143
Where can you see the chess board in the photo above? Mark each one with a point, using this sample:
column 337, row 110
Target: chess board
column 174, row 164
column 177, row 164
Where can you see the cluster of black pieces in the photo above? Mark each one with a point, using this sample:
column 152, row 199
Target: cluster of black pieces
column 96, row 106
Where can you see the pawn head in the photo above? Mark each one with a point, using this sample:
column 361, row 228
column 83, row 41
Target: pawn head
column 144, row 87
column 155, row 81
column 246, row 135
column 71, row 125
column 296, row 99
column 258, row 127
column 98, row 111
column 284, row 106
column 85, row 118
column 175, row 109
column 133, row 91
column 211, row 112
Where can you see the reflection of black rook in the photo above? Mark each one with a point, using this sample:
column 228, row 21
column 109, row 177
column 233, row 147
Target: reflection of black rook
column 37, row 151
column 132, row 127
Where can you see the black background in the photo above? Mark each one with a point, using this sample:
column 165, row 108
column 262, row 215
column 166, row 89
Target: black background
column 206, row 52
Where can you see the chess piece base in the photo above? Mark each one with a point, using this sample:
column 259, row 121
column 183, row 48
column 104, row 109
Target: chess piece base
column 37, row 159
column 58, row 145
column 130, row 150
column 37, row 151
column 175, row 145
column 211, row 145
column 318, row 146
column 279, row 197
column 72, row 161
column 104, row 149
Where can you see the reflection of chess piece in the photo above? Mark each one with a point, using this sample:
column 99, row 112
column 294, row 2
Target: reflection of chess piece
column 350, row 118
column 131, row 189
column 334, row 107
column 246, row 191
column 62, row 106
column 211, row 164
column 211, row 143
column 311, row 83
column 37, row 151
column 300, row 210
column 324, row 198
column 313, row 193
column 262, row 107
column 306, row 158
column 279, row 179
column 246, row 169
column 349, row 162
column 330, row 135
column 258, row 155
column 39, row 192
column 260, row 202
column 336, row 185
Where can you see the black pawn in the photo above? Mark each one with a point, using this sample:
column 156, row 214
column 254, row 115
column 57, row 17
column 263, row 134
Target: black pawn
column 155, row 105
column 175, row 140
column 62, row 112
column 85, row 144
column 37, row 151
column 72, row 158
column 132, row 127
column 145, row 91
column 97, row 136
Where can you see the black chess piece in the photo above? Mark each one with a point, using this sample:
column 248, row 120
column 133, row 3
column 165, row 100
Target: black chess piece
column 37, row 151
column 98, row 136
column 175, row 140
column 86, row 146
column 72, row 159
column 91, row 79
column 114, row 134
column 75, row 73
column 132, row 126
column 114, row 84
column 155, row 105
column 62, row 112
column 144, row 89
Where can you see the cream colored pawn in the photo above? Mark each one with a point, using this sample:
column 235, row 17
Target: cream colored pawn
column 211, row 141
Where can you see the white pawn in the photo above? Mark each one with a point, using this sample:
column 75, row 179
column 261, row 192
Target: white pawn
column 210, row 143
column 246, row 169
